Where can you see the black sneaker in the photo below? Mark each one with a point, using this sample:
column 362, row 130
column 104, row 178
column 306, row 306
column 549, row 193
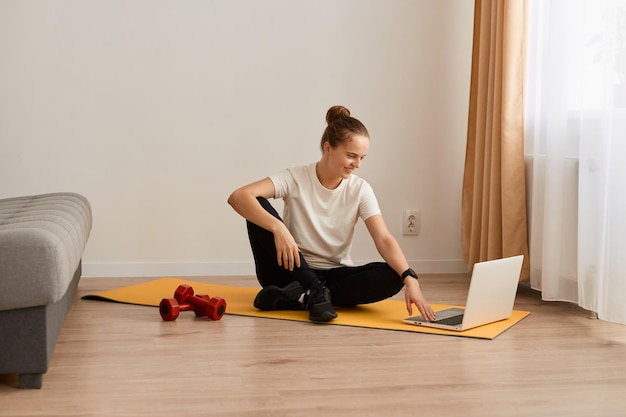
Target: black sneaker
column 276, row 298
column 319, row 305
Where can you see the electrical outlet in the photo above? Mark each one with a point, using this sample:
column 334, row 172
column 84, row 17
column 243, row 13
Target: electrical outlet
column 410, row 222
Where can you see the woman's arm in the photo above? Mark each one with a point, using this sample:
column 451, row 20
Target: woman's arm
column 389, row 249
column 244, row 201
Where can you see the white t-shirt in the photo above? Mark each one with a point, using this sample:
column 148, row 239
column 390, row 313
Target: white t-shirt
column 322, row 221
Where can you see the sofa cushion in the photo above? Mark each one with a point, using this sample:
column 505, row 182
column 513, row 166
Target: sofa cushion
column 42, row 239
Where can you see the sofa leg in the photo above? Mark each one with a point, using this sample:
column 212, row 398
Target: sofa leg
column 32, row 381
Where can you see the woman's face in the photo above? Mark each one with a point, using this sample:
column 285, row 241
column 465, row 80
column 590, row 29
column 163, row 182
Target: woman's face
column 346, row 157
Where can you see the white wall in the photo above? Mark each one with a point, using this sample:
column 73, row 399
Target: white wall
column 157, row 110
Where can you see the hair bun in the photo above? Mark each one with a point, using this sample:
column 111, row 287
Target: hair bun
column 336, row 112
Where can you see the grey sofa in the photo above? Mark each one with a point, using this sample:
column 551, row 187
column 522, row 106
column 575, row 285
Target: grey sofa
column 42, row 239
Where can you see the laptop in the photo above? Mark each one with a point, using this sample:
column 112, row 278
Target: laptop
column 491, row 296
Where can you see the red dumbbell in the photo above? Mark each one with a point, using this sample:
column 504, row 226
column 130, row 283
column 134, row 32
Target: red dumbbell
column 184, row 300
column 169, row 308
column 213, row 308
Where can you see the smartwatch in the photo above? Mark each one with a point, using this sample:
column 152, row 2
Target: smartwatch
column 408, row 273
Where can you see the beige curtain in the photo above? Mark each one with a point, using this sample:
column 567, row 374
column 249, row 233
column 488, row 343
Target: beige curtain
column 494, row 188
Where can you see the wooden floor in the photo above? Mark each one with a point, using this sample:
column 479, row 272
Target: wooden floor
column 123, row 360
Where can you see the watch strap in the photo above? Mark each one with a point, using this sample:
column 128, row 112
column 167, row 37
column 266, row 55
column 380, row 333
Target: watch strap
column 408, row 273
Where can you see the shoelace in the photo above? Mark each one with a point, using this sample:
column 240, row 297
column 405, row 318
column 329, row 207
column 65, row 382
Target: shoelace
column 318, row 295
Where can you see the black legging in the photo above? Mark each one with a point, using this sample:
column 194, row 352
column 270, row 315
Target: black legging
column 348, row 285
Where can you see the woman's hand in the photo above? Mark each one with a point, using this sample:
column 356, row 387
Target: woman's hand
column 413, row 295
column 287, row 251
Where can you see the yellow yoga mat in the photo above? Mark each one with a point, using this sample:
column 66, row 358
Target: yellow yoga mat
column 387, row 314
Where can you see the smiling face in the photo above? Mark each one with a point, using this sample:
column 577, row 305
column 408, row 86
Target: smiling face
column 339, row 162
column 344, row 144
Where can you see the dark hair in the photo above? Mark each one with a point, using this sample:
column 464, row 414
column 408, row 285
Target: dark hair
column 341, row 127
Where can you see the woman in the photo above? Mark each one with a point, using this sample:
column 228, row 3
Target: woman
column 304, row 260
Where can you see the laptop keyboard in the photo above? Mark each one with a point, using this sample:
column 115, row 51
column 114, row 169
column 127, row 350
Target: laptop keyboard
column 451, row 321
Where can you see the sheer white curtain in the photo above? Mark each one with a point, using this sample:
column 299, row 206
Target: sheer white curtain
column 575, row 149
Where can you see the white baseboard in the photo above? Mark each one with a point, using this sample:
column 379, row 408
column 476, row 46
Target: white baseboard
column 187, row 269
column 163, row 269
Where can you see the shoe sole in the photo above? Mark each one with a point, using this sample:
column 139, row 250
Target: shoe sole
column 326, row 316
